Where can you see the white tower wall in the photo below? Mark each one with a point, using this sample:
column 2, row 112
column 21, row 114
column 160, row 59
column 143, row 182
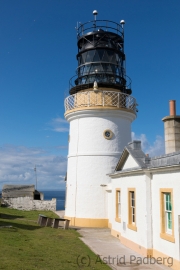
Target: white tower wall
column 91, row 157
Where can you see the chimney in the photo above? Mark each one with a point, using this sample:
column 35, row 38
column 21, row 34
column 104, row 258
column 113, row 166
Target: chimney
column 172, row 107
column 172, row 129
column 135, row 145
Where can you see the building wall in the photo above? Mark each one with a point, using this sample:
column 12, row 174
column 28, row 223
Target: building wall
column 86, row 196
column 139, row 183
column 110, row 207
column 91, row 157
column 87, row 127
column 164, row 180
column 27, row 203
column 130, row 163
column 147, row 240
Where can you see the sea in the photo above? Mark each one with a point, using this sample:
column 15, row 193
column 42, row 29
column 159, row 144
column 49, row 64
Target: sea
column 58, row 194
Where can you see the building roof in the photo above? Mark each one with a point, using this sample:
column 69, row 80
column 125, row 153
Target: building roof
column 166, row 160
column 133, row 149
column 143, row 161
column 14, row 191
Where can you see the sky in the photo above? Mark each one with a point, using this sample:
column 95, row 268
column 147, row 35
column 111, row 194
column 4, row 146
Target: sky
column 38, row 50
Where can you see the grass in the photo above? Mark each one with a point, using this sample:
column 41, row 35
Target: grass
column 27, row 246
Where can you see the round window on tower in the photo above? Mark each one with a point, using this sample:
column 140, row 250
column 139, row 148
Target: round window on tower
column 107, row 134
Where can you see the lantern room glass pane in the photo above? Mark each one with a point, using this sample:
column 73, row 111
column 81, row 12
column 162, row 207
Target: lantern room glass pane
column 105, row 57
column 86, row 69
column 117, row 71
column 113, row 68
column 101, row 53
column 92, row 70
column 97, row 68
column 90, row 55
column 83, row 80
column 110, row 54
column 96, row 57
column 82, row 70
column 108, row 69
column 81, row 60
column 117, row 58
column 91, row 79
column 84, row 57
column 113, row 59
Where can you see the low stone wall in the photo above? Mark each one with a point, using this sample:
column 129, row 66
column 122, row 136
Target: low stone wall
column 27, row 203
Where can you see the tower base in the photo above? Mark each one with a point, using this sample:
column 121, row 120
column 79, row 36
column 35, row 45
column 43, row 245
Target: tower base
column 88, row 222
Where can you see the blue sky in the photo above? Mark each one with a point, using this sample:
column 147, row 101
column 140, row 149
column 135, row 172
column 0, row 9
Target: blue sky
column 38, row 57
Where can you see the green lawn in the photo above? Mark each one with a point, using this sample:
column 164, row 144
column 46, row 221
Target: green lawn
column 27, row 246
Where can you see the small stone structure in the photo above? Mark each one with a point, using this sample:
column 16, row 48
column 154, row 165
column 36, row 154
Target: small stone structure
column 25, row 197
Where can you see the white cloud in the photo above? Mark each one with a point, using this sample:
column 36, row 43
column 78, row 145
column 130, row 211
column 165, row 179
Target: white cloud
column 59, row 125
column 61, row 129
column 154, row 149
column 17, row 167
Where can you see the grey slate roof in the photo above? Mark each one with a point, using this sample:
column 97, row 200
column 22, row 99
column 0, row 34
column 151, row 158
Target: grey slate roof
column 139, row 156
column 166, row 160
column 134, row 149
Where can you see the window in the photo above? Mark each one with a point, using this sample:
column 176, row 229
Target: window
column 132, row 206
column 132, row 209
column 118, row 205
column 107, row 134
column 166, row 213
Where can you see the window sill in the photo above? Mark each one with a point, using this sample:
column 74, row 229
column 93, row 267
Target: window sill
column 167, row 237
column 132, row 227
column 118, row 220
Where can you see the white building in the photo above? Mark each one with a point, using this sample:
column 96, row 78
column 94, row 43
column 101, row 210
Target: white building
column 111, row 182
column 145, row 197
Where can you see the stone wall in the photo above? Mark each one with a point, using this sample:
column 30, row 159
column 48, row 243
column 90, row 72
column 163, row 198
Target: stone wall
column 27, row 203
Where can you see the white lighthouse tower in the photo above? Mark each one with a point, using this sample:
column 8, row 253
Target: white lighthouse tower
column 100, row 110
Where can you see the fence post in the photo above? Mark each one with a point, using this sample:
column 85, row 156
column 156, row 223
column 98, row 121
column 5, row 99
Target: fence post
column 75, row 100
column 88, row 99
column 118, row 100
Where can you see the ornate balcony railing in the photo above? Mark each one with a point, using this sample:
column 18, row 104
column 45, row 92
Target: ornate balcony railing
column 100, row 99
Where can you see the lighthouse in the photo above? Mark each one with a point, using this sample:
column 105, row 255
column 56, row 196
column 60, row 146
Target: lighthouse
column 100, row 110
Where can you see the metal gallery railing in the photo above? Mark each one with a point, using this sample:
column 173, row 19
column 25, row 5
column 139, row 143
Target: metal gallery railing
column 99, row 25
column 100, row 99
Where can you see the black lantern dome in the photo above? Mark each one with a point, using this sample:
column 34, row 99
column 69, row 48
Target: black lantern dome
column 100, row 57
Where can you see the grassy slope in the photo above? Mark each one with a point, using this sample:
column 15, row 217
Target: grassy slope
column 27, row 246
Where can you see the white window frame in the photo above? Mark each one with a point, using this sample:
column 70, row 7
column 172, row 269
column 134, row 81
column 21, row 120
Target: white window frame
column 133, row 207
column 168, row 210
column 132, row 221
column 118, row 204
column 166, row 223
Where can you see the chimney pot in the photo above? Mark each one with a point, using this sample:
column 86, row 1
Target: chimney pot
column 172, row 107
